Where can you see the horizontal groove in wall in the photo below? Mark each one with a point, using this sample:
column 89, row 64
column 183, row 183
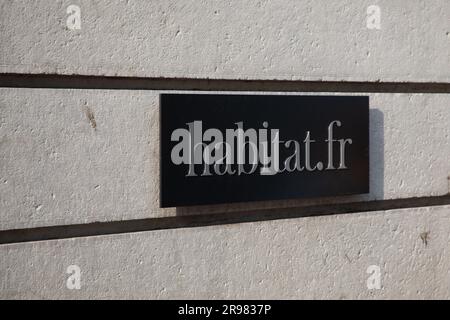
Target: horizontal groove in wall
column 129, row 83
column 132, row 226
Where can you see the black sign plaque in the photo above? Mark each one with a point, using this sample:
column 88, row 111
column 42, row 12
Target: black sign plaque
column 222, row 148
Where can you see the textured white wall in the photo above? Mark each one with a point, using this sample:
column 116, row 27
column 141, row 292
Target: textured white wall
column 315, row 257
column 257, row 39
column 81, row 156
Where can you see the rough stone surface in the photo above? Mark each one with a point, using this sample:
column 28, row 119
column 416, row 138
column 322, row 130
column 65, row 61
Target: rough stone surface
column 80, row 156
column 290, row 40
column 316, row 257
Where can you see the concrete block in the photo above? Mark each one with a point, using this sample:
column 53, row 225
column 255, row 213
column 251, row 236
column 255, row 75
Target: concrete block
column 315, row 257
column 81, row 156
column 395, row 41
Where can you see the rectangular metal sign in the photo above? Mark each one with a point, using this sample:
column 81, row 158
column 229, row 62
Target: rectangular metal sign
column 221, row 148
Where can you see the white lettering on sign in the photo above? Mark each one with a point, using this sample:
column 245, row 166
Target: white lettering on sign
column 227, row 152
